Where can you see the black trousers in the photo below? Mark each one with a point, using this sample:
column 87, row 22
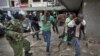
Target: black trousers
column 27, row 53
column 55, row 28
column 35, row 28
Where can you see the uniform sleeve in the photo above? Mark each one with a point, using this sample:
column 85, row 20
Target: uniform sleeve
column 11, row 34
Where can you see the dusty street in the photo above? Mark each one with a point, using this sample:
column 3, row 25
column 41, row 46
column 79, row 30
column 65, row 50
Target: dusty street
column 39, row 48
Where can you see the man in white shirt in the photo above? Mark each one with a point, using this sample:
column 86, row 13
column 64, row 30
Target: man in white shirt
column 74, row 33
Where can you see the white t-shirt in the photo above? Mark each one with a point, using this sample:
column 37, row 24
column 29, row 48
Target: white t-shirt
column 72, row 24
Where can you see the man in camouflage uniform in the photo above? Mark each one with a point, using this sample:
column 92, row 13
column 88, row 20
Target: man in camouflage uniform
column 14, row 32
column 5, row 48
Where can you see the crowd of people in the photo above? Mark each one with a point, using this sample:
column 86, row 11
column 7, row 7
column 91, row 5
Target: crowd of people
column 12, row 28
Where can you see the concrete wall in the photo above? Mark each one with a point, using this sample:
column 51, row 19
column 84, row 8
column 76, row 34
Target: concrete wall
column 91, row 11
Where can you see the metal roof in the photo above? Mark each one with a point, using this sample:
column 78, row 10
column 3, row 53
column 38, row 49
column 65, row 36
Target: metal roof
column 36, row 8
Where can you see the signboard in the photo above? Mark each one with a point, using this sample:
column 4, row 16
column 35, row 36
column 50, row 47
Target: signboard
column 23, row 5
column 19, row 4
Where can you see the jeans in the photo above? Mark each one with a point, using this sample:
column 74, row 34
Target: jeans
column 47, row 37
column 75, row 42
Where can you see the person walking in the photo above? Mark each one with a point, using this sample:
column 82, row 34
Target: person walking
column 53, row 22
column 46, row 31
column 74, row 34
column 35, row 25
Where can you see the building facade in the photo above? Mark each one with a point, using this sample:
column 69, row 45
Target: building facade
column 4, row 4
column 31, row 5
